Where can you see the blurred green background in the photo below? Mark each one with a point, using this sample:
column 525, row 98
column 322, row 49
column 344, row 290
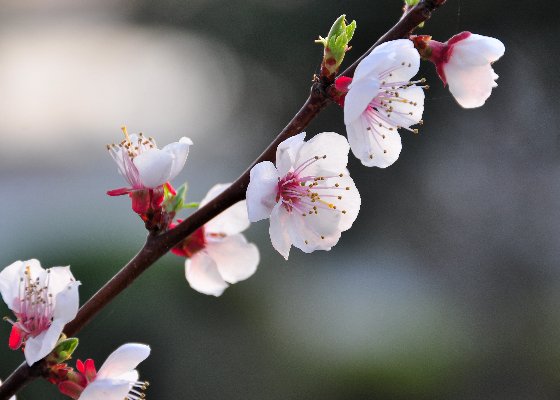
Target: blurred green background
column 446, row 287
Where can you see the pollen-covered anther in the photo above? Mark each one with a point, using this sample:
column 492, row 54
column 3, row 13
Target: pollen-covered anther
column 348, row 188
column 322, row 237
column 421, row 122
column 415, row 131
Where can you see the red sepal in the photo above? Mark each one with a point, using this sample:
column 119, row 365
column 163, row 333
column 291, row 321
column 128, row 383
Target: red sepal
column 156, row 197
column 140, row 201
column 71, row 389
column 16, row 338
column 119, row 192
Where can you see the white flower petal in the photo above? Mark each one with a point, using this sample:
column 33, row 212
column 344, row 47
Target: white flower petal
column 123, row 360
column 154, row 167
column 286, row 153
column 469, row 73
column 401, row 114
column 490, row 47
column 10, row 283
column 350, row 200
column 106, row 389
column 329, row 144
column 130, row 376
column 279, row 236
column 58, row 279
column 359, row 97
column 261, row 192
column 236, row 259
column 43, row 344
column 231, row 221
column 180, row 150
column 389, row 56
column 382, row 144
column 67, row 302
column 203, row 276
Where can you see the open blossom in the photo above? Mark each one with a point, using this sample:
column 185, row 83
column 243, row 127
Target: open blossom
column 117, row 378
column 147, row 168
column 308, row 196
column 217, row 253
column 465, row 63
column 43, row 302
column 381, row 98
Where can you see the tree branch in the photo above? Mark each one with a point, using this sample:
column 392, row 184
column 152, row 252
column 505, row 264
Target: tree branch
column 156, row 246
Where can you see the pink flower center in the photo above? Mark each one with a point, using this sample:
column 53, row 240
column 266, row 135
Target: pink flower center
column 303, row 199
column 36, row 310
column 380, row 116
column 124, row 154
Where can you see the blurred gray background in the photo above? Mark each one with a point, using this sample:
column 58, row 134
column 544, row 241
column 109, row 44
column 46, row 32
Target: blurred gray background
column 446, row 287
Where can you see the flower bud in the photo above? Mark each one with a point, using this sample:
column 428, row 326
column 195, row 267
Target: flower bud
column 336, row 44
column 62, row 352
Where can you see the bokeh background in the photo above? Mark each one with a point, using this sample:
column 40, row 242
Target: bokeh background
column 446, row 287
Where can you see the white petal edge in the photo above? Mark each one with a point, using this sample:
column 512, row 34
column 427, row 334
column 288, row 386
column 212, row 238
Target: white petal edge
column 106, row 389
column 154, row 167
column 123, row 360
column 180, row 150
column 359, row 97
column 203, row 275
column 286, row 153
column 262, row 190
column 235, row 258
column 329, row 144
column 233, row 220
column 278, row 233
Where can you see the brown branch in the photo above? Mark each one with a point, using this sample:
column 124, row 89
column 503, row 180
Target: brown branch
column 157, row 246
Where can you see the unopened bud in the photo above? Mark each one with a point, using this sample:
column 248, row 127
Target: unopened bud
column 336, row 45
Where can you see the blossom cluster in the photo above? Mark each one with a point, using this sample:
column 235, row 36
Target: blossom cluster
column 307, row 194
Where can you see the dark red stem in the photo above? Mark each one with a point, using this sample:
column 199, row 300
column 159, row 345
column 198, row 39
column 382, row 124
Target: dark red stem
column 157, row 246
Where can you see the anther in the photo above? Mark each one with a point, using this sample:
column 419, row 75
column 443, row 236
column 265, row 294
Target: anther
column 322, row 237
column 306, row 242
column 421, row 122
column 403, row 63
column 339, row 197
column 416, row 131
column 316, row 157
column 384, row 151
column 343, row 212
column 371, row 156
column 341, row 175
column 336, row 184
column 348, row 188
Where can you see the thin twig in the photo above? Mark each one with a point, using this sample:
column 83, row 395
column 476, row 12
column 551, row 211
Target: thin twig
column 156, row 246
